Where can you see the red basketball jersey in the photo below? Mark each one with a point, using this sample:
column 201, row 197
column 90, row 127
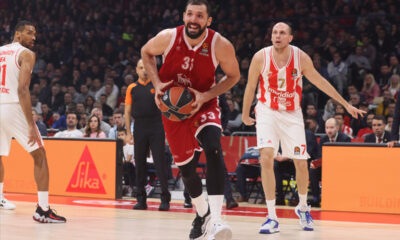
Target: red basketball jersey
column 190, row 66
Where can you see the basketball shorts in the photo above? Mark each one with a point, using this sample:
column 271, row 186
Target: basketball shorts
column 284, row 127
column 13, row 124
column 181, row 136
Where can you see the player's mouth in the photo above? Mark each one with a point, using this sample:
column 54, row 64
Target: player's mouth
column 193, row 27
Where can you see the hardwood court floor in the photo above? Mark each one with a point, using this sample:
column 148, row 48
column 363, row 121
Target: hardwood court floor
column 116, row 220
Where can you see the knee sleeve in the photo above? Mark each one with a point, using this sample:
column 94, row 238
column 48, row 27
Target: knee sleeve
column 190, row 178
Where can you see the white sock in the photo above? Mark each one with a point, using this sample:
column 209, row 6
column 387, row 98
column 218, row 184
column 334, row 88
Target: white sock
column 216, row 202
column 271, row 209
column 1, row 190
column 43, row 197
column 201, row 205
column 303, row 202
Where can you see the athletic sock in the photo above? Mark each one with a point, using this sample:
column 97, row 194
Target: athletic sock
column 201, row 205
column 43, row 198
column 216, row 202
column 271, row 209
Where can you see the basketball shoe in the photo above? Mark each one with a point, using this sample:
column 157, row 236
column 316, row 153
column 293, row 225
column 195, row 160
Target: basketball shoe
column 306, row 220
column 200, row 225
column 220, row 231
column 270, row 226
column 5, row 204
column 47, row 216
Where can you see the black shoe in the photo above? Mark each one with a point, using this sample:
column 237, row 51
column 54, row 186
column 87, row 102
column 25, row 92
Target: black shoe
column 141, row 203
column 231, row 204
column 187, row 204
column 164, row 206
column 199, row 229
column 47, row 217
column 140, row 206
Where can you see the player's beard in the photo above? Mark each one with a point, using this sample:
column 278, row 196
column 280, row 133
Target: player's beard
column 194, row 35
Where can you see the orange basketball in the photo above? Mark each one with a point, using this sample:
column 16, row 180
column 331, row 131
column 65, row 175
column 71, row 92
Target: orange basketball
column 176, row 104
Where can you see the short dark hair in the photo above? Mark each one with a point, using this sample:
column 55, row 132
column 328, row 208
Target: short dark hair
column 118, row 111
column 380, row 117
column 200, row 2
column 21, row 25
column 337, row 114
column 121, row 129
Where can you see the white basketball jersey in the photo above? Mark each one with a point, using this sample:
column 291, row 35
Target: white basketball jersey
column 280, row 88
column 9, row 72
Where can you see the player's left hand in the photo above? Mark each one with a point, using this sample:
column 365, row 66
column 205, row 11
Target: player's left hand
column 199, row 100
column 354, row 112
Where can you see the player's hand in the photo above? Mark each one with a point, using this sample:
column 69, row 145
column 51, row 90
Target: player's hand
column 247, row 120
column 354, row 112
column 32, row 135
column 199, row 100
column 391, row 143
column 159, row 91
column 129, row 137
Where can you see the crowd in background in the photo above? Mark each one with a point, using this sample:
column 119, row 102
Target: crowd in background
column 87, row 52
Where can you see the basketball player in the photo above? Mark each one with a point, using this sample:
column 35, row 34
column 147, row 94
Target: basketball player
column 16, row 63
column 191, row 53
column 279, row 118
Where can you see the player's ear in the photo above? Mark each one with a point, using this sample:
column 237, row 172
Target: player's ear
column 209, row 21
column 290, row 38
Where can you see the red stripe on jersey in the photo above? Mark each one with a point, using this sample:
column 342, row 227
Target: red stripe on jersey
column 273, row 83
column 290, row 81
column 262, row 89
column 298, row 89
column 39, row 137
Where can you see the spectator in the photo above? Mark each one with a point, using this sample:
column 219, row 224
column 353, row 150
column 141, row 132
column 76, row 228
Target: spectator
column 342, row 127
column 36, row 104
column 389, row 123
column 394, row 64
column 105, row 127
column 394, row 84
column 89, row 103
column 379, row 134
column 128, row 163
column 92, row 129
column 362, row 133
column 337, row 71
column 384, row 75
column 107, row 109
column 41, row 126
column 47, row 115
column 312, row 112
column 382, row 108
column 235, row 117
column 396, row 123
column 84, row 93
column 333, row 134
column 370, row 89
column 119, row 122
column 72, row 131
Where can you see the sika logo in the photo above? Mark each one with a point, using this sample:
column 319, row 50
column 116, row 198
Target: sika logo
column 86, row 179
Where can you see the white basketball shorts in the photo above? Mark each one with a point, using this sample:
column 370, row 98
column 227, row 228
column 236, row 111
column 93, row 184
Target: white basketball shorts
column 286, row 127
column 13, row 124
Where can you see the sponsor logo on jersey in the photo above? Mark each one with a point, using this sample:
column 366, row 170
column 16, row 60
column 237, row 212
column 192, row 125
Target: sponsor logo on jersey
column 183, row 80
column 204, row 50
column 296, row 150
column 4, row 90
column 281, row 94
column 85, row 178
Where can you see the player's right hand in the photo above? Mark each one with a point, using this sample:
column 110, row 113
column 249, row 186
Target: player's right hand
column 247, row 120
column 32, row 135
column 354, row 112
column 159, row 91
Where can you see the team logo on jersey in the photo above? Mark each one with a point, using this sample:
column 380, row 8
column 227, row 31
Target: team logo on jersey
column 296, row 150
column 183, row 80
column 204, row 50
column 294, row 73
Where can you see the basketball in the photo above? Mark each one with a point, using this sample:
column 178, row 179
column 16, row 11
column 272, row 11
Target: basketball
column 176, row 104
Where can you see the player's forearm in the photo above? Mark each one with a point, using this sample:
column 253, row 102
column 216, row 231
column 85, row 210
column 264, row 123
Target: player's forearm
column 327, row 88
column 128, row 121
column 226, row 83
column 247, row 100
column 25, row 102
column 150, row 64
